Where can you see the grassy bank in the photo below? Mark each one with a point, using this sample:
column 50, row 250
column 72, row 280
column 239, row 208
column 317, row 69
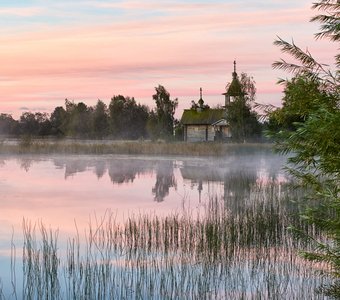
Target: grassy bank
column 32, row 146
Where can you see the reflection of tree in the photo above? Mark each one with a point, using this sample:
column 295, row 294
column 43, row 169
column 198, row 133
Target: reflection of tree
column 72, row 166
column 238, row 187
column 164, row 180
column 2, row 163
column 123, row 170
column 75, row 166
column 100, row 168
column 26, row 163
column 119, row 170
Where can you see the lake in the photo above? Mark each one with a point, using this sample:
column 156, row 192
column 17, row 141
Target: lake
column 148, row 227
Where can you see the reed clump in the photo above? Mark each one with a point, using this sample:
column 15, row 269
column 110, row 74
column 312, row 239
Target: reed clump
column 218, row 254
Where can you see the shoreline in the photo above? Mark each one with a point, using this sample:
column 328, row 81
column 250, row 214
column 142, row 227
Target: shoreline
column 99, row 147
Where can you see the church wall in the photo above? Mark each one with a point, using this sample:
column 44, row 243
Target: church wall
column 211, row 133
column 199, row 133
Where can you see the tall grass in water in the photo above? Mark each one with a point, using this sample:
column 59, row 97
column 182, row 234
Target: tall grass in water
column 40, row 263
column 217, row 254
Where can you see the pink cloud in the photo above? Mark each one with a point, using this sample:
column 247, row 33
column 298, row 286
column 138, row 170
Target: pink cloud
column 183, row 51
column 21, row 11
column 138, row 6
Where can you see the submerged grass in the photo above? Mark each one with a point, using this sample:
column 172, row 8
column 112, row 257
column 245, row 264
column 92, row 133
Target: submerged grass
column 218, row 254
column 36, row 146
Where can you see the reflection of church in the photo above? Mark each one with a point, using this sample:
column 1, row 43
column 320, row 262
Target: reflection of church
column 202, row 123
column 207, row 180
column 236, row 185
column 234, row 178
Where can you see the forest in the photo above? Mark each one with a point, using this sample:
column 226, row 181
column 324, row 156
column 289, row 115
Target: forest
column 125, row 119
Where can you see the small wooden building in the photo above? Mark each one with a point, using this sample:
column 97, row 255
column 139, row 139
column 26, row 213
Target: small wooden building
column 204, row 124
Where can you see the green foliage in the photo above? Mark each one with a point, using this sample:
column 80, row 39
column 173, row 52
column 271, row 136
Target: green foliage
column 128, row 119
column 34, row 124
column 100, row 126
column 124, row 119
column 309, row 124
column 152, row 126
column 302, row 96
column 58, row 118
column 316, row 143
column 330, row 27
column 78, row 116
column 8, row 125
column 161, row 123
column 248, row 88
column 243, row 122
column 242, row 119
column 179, row 131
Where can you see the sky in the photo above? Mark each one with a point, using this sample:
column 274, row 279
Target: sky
column 86, row 50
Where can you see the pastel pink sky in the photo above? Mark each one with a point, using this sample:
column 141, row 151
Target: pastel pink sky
column 91, row 50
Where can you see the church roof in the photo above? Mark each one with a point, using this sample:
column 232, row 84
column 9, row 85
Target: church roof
column 204, row 117
column 235, row 87
column 201, row 101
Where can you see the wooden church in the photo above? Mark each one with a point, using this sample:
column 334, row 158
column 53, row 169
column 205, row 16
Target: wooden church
column 202, row 123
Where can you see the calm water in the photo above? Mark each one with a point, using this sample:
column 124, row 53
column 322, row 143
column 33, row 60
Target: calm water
column 59, row 189
column 66, row 192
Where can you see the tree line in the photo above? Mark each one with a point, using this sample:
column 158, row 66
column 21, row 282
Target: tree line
column 123, row 118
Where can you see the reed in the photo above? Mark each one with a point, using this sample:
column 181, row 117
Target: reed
column 40, row 263
column 219, row 254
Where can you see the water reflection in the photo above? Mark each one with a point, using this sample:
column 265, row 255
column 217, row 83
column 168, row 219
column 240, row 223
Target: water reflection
column 100, row 169
column 125, row 171
column 26, row 164
column 63, row 190
column 234, row 176
column 165, row 179
column 237, row 180
column 120, row 171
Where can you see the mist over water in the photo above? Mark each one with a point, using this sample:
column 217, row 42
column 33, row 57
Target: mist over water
column 66, row 192
column 37, row 186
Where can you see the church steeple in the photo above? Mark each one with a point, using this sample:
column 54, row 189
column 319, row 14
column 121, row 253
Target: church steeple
column 234, row 89
column 234, row 73
column 200, row 101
